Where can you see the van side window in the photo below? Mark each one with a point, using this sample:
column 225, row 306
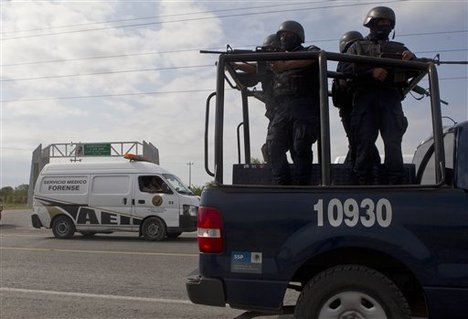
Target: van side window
column 153, row 184
column 111, row 185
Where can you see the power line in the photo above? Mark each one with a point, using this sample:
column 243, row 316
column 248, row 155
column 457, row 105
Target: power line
column 216, row 49
column 443, row 51
column 107, row 95
column 146, row 93
column 454, row 78
column 149, row 70
column 108, row 72
column 101, row 57
column 432, row 33
column 197, row 19
column 161, row 16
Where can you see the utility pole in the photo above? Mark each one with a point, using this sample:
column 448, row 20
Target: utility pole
column 190, row 174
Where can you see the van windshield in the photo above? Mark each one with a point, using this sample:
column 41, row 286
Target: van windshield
column 177, row 184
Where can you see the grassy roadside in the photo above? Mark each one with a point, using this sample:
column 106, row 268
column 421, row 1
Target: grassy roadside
column 14, row 206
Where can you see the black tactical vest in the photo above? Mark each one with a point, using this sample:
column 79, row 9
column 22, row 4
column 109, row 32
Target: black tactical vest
column 384, row 49
column 297, row 83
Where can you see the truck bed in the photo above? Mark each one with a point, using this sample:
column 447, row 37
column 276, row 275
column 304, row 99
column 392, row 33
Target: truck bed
column 342, row 174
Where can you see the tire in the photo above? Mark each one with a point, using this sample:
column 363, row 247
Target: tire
column 153, row 229
column 63, row 227
column 174, row 235
column 351, row 291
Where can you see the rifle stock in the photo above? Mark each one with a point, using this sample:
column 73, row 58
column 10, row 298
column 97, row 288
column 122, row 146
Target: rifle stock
column 423, row 91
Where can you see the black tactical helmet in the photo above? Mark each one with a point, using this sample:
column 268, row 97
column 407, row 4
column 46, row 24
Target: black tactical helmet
column 349, row 38
column 380, row 13
column 271, row 41
column 294, row 27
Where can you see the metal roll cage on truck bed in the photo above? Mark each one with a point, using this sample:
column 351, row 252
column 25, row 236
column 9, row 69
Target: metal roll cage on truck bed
column 367, row 251
column 322, row 57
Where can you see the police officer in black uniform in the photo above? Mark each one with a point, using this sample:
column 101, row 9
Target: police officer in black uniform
column 377, row 100
column 295, row 125
column 270, row 44
column 342, row 97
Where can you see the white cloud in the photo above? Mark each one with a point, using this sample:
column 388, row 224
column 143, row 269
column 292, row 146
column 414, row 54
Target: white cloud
column 172, row 122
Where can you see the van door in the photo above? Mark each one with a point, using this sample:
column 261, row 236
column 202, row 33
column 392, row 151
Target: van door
column 153, row 197
column 110, row 204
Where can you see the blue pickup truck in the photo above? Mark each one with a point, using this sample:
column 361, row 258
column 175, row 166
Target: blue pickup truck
column 380, row 251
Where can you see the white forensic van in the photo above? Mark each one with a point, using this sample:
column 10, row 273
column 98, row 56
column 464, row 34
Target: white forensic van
column 103, row 197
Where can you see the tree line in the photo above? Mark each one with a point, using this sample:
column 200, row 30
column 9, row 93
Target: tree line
column 17, row 195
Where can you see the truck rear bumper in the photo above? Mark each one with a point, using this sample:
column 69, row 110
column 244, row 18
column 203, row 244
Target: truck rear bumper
column 206, row 291
column 257, row 296
column 36, row 222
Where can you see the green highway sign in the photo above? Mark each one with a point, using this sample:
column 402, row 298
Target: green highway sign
column 96, row 149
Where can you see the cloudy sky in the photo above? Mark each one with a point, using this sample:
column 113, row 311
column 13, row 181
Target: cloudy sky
column 111, row 71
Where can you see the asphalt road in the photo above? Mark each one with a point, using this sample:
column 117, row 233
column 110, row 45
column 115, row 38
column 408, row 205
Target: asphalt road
column 108, row 276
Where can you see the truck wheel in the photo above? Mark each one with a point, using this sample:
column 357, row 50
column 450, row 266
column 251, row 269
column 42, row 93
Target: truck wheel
column 63, row 227
column 351, row 291
column 153, row 229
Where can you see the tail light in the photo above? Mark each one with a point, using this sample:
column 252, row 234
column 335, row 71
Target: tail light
column 210, row 230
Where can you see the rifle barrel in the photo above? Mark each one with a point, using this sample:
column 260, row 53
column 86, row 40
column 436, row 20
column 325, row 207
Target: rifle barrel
column 212, row 52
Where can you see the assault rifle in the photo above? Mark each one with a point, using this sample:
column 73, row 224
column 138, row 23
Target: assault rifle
column 247, row 78
column 394, row 50
column 391, row 50
column 230, row 50
column 436, row 60
column 423, row 92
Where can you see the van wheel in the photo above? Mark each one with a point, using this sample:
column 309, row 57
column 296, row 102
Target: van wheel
column 351, row 291
column 153, row 229
column 63, row 227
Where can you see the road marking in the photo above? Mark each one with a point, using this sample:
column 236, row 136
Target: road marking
column 98, row 252
column 86, row 295
column 15, row 235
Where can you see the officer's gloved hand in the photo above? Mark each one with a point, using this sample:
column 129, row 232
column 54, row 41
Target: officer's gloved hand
column 407, row 55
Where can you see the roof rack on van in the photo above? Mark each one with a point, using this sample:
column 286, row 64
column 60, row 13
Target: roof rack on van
column 136, row 158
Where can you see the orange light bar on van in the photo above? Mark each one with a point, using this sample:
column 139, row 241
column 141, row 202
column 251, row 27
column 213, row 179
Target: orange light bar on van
column 136, row 158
